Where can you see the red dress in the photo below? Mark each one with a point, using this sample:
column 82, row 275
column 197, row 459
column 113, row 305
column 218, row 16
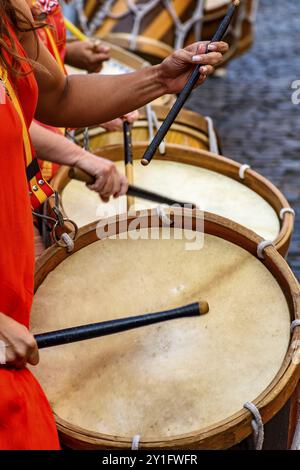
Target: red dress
column 26, row 419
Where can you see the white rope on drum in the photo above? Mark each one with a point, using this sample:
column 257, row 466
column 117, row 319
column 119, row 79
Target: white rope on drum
column 135, row 444
column 257, row 425
column 83, row 21
column 262, row 246
column 104, row 11
column 242, row 171
column 68, row 242
column 238, row 28
column 254, row 9
column 150, row 121
column 212, row 136
column 162, row 145
column 286, row 210
column 182, row 29
column 163, row 216
column 295, row 324
column 140, row 11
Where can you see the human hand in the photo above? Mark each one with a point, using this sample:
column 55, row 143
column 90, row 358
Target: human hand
column 117, row 124
column 20, row 345
column 108, row 180
column 87, row 55
column 176, row 69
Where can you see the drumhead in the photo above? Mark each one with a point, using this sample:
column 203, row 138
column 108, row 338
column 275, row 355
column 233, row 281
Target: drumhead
column 171, row 378
column 212, row 191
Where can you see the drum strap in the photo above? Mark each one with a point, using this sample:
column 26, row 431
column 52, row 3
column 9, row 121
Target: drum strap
column 39, row 189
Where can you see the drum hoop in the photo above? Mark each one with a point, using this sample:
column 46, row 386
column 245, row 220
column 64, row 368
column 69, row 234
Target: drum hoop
column 220, row 164
column 213, row 14
column 143, row 44
column 269, row 402
column 142, row 124
column 191, row 130
column 186, row 118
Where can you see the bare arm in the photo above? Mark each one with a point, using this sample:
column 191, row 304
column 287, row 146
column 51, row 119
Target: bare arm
column 79, row 101
column 57, row 148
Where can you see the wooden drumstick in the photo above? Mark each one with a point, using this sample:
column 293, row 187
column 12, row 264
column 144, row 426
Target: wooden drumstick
column 80, row 175
column 185, row 93
column 96, row 330
column 128, row 160
column 75, row 31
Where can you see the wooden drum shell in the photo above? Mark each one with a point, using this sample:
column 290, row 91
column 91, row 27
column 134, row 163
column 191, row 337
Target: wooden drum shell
column 234, row 430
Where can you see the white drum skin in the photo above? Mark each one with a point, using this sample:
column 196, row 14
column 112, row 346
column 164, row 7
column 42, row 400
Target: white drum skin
column 167, row 379
column 212, row 191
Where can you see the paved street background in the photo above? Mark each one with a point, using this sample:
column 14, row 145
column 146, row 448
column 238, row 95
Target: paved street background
column 252, row 106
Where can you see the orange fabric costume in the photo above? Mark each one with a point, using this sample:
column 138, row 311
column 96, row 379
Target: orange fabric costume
column 26, row 420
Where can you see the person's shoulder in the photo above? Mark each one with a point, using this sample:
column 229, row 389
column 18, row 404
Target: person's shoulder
column 23, row 6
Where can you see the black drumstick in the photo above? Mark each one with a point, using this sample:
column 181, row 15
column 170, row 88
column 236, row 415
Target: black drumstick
column 80, row 175
column 128, row 159
column 185, row 93
column 95, row 330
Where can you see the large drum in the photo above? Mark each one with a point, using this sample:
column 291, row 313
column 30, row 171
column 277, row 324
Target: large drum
column 153, row 28
column 190, row 130
column 186, row 383
column 122, row 61
column 216, row 184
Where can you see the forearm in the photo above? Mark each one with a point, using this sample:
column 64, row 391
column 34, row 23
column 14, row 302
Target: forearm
column 91, row 99
column 54, row 147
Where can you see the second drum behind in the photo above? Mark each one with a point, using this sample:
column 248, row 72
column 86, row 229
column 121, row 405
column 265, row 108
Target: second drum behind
column 215, row 183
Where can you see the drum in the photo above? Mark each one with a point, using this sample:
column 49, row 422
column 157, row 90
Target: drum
column 182, row 384
column 152, row 29
column 216, row 184
column 247, row 26
column 190, row 130
column 122, row 61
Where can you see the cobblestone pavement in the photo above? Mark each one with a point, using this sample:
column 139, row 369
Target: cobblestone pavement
column 252, row 106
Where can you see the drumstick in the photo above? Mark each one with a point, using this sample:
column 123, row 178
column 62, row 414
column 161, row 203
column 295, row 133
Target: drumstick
column 128, row 160
column 81, row 36
column 95, row 330
column 79, row 175
column 185, row 93
column 75, row 31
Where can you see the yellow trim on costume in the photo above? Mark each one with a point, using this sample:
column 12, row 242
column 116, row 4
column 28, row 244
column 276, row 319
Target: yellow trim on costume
column 33, row 183
column 26, row 138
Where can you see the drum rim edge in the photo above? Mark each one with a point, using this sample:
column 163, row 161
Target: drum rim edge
column 267, row 190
